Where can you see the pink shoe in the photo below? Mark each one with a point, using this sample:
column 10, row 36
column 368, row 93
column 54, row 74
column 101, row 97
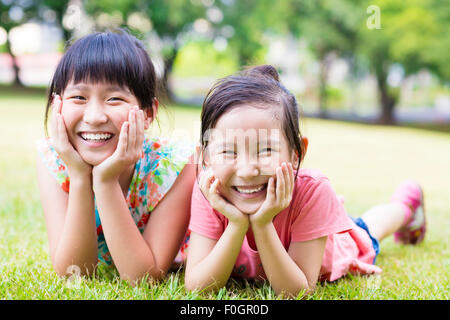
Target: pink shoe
column 410, row 194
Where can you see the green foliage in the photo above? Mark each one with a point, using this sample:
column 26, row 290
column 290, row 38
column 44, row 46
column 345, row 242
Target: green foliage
column 202, row 59
column 169, row 19
column 15, row 13
column 335, row 96
column 409, row 30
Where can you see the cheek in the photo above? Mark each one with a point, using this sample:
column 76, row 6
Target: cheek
column 71, row 117
column 223, row 173
column 118, row 118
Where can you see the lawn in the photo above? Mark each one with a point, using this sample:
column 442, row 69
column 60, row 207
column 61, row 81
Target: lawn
column 363, row 162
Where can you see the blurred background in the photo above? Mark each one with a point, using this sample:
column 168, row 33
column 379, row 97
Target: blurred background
column 356, row 61
column 383, row 61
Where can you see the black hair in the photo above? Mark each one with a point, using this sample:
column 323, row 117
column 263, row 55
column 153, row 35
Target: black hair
column 113, row 57
column 255, row 86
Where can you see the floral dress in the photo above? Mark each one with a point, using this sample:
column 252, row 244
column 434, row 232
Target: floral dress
column 154, row 174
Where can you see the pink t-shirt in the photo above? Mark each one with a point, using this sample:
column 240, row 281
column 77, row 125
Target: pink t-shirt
column 314, row 212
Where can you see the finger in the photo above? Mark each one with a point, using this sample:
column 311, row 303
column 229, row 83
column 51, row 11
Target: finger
column 271, row 189
column 140, row 130
column 132, row 129
column 205, row 178
column 55, row 111
column 56, row 136
column 280, row 189
column 122, row 144
column 209, row 176
column 214, row 189
column 62, row 132
column 285, row 171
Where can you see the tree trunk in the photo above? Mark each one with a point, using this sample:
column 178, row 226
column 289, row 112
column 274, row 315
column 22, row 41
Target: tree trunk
column 325, row 61
column 16, row 69
column 387, row 101
column 322, row 90
column 167, row 92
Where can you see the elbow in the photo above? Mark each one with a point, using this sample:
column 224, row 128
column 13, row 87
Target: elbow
column 302, row 292
column 72, row 271
column 193, row 285
column 134, row 278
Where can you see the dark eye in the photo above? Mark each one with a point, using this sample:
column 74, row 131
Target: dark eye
column 78, row 98
column 115, row 99
column 229, row 152
column 266, row 150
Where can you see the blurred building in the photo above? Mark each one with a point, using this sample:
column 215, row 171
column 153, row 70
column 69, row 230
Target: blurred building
column 36, row 47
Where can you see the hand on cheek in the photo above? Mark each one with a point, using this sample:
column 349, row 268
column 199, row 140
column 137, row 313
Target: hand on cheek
column 209, row 185
column 128, row 151
column 279, row 195
column 60, row 142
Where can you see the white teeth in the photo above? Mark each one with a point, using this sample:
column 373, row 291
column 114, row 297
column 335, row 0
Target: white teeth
column 96, row 136
column 250, row 190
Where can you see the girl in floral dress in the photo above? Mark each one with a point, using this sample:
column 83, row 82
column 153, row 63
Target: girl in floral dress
column 109, row 192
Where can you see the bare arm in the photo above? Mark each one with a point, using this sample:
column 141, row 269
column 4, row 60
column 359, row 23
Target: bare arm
column 291, row 272
column 152, row 253
column 286, row 275
column 136, row 255
column 210, row 262
column 70, row 220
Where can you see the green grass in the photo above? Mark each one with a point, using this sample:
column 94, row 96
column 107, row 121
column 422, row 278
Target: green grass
column 364, row 164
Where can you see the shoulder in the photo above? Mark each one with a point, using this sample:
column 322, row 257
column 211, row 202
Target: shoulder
column 312, row 181
column 313, row 193
column 317, row 211
column 53, row 162
column 311, row 174
column 159, row 167
column 166, row 153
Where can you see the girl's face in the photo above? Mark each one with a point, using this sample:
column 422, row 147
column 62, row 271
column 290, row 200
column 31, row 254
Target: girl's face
column 244, row 149
column 94, row 114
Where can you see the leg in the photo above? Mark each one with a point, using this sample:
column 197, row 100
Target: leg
column 404, row 215
column 384, row 219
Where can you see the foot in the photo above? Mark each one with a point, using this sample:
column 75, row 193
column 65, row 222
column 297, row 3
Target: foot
column 413, row 231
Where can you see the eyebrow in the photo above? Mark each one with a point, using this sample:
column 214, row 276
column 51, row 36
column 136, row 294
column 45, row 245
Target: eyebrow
column 81, row 86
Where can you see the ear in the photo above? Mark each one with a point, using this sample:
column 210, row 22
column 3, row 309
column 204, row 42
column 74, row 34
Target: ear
column 204, row 159
column 305, row 141
column 150, row 114
column 295, row 159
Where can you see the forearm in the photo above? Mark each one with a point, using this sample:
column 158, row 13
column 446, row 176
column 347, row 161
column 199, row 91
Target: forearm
column 282, row 272
column 132, row 255
column 78, row 241
column 213, row 271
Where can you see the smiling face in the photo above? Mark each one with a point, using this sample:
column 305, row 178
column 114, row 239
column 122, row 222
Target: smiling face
column 93, row 114
column 245, row 147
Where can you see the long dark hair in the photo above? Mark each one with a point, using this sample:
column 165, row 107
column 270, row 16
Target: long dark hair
column 112, row 57
column 260, row 86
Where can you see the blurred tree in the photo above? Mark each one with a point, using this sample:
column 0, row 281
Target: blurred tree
column 330, row 29
column 59, row 7
column 13, row 14
column 243, row 24
column 413, row 34
column 170, row 20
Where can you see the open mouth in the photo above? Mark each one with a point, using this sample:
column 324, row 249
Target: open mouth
column 250, row 190
column 96, row 137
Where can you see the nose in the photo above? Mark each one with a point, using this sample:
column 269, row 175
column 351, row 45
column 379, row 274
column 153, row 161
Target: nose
column 94, row 114
column 247, row 168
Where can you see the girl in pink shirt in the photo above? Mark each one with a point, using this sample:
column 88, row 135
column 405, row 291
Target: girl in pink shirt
column 256, row 214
